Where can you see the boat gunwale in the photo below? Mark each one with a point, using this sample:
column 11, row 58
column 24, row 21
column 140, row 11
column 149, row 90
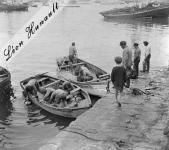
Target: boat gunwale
column 92, row 82
column 107, row 14
column 71, row 109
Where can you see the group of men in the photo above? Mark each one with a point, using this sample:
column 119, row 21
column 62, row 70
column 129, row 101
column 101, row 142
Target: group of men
column 128, row 60
column 51, row 95
column 121, row 74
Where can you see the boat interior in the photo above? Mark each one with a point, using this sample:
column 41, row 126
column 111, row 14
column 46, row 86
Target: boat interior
column 77, row 99
column 71, row 71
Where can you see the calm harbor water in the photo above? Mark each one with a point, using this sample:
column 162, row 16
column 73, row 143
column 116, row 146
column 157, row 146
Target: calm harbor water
column 97, row 41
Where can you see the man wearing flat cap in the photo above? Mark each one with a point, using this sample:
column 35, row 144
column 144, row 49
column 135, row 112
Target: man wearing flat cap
column 127, row 61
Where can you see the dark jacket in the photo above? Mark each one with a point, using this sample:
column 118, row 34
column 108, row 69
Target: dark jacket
column 118, row 77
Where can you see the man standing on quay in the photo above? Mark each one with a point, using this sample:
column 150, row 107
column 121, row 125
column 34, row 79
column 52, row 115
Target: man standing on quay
column 146, row 66
column 137, row 55
column 127, row 61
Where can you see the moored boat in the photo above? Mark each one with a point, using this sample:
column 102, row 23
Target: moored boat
column 13, row 7
column 78, row 104
column 5, row 78
column 5, row 85
column 152, row 10
column 96, row 86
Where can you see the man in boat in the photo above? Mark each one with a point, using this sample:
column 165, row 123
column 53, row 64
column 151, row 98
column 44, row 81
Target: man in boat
column 59, row 96
column 127, row 61
column 52, row 95
column 72, row 53
column 31, row 87
column 84, row 74
column 137, row 55
column 67, row 86
column 147, row 56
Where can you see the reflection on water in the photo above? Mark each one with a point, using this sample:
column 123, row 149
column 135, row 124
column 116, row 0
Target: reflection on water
column 141, row 22
column 35, row 117
column 27, row 129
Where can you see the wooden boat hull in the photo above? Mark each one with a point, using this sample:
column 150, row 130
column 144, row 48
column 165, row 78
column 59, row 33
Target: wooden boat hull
column 153, row 13
column 65, row 112
column 5, row 79
column 96, row 87
column 69, row 113
column 5, row 85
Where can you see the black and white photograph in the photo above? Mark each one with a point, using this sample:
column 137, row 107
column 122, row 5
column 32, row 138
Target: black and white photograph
column 84, row 75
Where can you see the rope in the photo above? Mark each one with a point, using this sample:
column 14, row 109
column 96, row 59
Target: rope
column 118, row 143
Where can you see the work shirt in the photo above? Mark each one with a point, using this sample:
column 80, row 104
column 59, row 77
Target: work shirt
column 72, row 51
column 86, row 71
column 147, row 51
column 49, row 91
column 32, row 83
column 137, row 52
column 127, row 57
column 60, row 93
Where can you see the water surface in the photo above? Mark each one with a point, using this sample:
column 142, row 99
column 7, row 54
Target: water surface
column 97, row 41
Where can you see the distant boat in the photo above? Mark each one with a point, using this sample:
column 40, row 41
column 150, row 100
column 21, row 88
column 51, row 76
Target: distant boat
column 152, row 10
column 96, row 86
column 13, row 6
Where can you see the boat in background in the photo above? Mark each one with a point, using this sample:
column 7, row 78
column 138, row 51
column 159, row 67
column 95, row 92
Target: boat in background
column 152, row 10
column 5, row 78
column 13, row 6
column 5, row 83
column 76, row 105
column 96, row 86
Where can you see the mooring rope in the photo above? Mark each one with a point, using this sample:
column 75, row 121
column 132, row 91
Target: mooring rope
column 118, row 143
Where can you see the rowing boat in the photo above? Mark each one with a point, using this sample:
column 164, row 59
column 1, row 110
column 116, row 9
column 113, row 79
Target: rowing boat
column 79, row 103
column 96, row 86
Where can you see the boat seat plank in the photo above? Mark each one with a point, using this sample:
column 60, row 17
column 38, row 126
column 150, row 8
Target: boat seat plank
column 53, row 83
column 3, row 75
column 75, row 90
column 43, row 79
column 104, row 75
column 77, row 64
